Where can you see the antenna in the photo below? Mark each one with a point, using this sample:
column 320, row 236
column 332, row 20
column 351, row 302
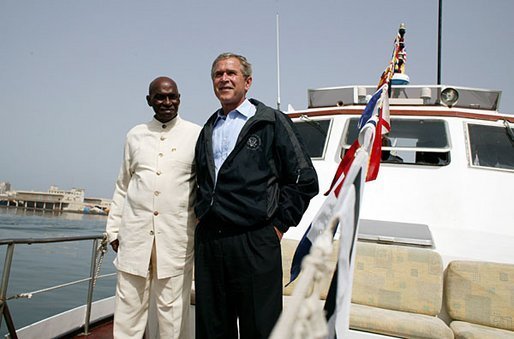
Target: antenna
column 439, row 32
column 278, row 66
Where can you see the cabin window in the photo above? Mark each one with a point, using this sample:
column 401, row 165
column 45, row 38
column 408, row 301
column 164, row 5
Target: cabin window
column 314, row 134
column 491, row 146
column 411, row 141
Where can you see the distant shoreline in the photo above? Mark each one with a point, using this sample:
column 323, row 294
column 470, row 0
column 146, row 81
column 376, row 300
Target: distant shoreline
column 53, row 211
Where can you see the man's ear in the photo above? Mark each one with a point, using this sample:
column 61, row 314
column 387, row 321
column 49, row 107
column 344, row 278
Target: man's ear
column 148, row 100
column 248, row 83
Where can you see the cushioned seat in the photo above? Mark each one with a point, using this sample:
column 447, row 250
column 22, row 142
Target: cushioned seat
column 397, row 323
column 480, row 299
column 398, row 290
column 464, row 330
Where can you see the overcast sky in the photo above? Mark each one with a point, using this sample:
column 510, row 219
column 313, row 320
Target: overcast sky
column 74, row 73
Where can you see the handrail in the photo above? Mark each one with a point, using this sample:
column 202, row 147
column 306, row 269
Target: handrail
column 29, row 241
column 98, row 252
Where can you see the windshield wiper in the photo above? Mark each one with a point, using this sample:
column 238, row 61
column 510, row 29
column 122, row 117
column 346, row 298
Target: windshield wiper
column 314, row 124
column 510, row 133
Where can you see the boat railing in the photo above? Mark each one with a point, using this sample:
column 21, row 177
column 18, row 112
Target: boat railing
column 99, row 248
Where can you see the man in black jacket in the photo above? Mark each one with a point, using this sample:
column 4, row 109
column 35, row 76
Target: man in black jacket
column 255, row 180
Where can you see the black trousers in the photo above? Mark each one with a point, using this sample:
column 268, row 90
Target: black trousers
column 238, row 276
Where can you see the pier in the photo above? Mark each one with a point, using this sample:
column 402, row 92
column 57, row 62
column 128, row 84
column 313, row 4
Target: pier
column 35, row 200
column 56, row 200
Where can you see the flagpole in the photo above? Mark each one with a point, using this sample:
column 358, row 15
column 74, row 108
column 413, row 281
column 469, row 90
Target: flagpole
column 439, row 33
column 278, row 65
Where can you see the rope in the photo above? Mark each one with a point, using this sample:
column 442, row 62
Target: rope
column 102, row 249
column 29, row 295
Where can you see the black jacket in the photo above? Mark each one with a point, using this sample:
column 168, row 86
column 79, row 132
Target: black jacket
column 267, row 179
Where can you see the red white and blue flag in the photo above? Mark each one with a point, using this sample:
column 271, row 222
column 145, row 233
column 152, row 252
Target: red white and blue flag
column 373, row 116
column 376, row 117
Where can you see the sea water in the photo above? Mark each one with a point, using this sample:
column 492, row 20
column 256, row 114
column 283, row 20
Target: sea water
column 38, row 266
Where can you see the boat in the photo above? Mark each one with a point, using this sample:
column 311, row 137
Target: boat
column 434, row 237
column 443, row 193
column 446, row 174
column 447, row 169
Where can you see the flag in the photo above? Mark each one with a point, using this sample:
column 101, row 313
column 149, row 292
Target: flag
column 375, row 117
column 383, row 126
column 398, row 59
column 337, row 304
column 369, row 119
column 339, row 297
column 351, row 189
column 318, row 224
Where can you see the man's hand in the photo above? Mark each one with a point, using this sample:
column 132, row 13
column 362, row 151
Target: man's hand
column 115, row 244
column 279, row 234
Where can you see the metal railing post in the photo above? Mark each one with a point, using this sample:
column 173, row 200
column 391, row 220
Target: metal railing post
column 10, row 323
column 91, row 287
column 5, row 278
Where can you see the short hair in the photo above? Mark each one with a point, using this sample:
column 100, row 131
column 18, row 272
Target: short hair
column 246, row 67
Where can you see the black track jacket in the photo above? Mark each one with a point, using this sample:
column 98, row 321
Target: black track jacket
column 267, row 179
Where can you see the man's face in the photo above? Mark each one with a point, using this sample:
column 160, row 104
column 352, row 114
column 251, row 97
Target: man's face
column 230, row 85
column 164, row 98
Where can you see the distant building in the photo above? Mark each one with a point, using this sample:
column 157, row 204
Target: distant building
column 56, row 199
column 4, row 187
column 73, row 195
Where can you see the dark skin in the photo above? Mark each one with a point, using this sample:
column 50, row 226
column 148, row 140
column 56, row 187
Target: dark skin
column 115, row 244
column 164, row 97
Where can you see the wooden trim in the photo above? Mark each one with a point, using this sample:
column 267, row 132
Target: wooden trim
column 412, row 112
column 336, row 111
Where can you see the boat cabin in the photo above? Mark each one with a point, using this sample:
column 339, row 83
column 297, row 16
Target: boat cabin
column 447, row 168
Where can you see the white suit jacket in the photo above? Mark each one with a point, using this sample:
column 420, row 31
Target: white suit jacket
column 153, row 199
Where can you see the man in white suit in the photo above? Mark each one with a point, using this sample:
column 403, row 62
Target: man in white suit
column 151, row 222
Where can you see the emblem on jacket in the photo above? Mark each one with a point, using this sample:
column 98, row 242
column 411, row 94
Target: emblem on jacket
column 253, row 143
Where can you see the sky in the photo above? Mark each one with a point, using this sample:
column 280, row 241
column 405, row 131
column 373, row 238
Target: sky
column 74, row 73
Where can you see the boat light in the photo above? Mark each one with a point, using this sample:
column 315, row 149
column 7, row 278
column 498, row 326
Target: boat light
column 449, row 96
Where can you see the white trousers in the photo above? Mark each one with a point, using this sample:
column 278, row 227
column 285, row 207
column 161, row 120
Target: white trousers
column 171, row 295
